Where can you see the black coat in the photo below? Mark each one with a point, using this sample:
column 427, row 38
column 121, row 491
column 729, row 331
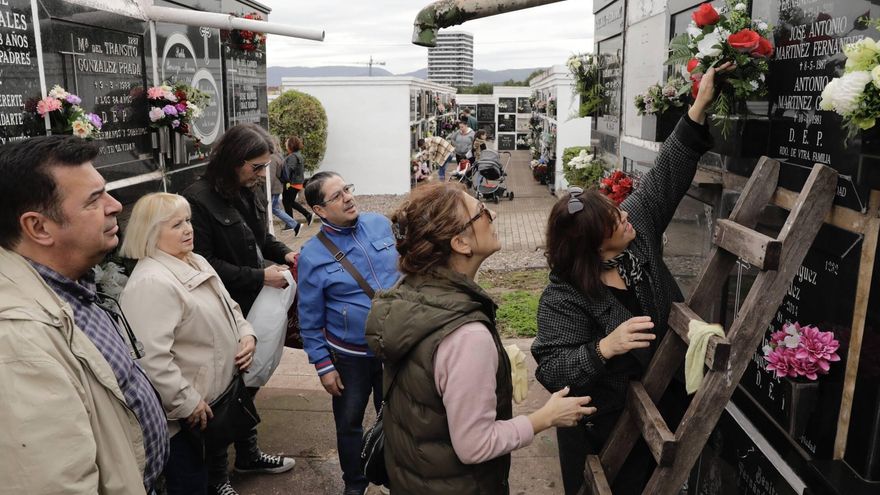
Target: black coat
column 232, row 236
column 570, row 323
column 295, row 167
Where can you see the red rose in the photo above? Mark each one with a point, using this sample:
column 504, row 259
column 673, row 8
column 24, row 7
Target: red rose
column 744, row 40
column 764, row 49
column 705, row 15
column 692, row 64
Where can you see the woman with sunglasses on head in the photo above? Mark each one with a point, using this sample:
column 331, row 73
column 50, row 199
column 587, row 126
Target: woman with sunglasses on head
column 605, row 310
column 230, row 224
column 448, row 419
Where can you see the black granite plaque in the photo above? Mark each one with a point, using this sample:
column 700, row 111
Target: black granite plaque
column 523, row 105
column 485, row 113
column 246, row 93
column 609, row 21
column 19, row 71
column 106, row 69
column 732, row 464
column 808, row 410
column 507, row 142
column 489, row 127
column 611, row 76
column 506, row 123
column 506, row 105
column 809, row 38
column 192, row 55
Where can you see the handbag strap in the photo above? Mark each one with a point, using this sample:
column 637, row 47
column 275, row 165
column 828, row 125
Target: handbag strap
column 339, row 256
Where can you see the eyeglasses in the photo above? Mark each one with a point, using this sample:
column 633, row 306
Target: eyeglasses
column 574, row 201
column 348, row 189
column 482, row 211
column 260, row 166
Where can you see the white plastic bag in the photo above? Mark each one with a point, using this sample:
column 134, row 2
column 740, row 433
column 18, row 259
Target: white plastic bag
column 268, row 316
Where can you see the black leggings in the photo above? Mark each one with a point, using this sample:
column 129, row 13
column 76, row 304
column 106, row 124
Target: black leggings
column 288, row 199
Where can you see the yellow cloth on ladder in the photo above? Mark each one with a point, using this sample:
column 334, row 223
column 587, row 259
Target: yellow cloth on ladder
column 698, row 334
column 519, row 372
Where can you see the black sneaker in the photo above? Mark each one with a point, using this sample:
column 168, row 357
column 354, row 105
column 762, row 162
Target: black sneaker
column 265, row 463
column 354, row 491
column 311, row 219
column 286, row 228
column 297, row 229
column 223, row 489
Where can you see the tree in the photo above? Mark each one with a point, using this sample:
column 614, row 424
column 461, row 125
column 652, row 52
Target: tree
column 299, row 114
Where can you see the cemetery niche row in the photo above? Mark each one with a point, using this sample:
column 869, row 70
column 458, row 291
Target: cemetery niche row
column 105, row 57
column 778, row 435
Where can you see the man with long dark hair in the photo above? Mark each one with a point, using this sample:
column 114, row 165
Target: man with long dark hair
column 230, row 225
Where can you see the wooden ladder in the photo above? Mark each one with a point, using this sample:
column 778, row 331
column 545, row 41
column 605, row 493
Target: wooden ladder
column 726, row 357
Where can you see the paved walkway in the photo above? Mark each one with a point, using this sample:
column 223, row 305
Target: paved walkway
column 296, row 411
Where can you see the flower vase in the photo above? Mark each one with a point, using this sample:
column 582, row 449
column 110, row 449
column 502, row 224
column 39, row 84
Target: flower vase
column 181, row 156
column 659, row 127
column 802, row 397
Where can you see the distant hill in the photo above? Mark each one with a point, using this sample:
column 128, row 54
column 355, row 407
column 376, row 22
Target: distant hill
column 480, row 76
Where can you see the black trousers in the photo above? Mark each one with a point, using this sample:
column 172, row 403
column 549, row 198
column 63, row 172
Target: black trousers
column 288, row 199
column 588, row 438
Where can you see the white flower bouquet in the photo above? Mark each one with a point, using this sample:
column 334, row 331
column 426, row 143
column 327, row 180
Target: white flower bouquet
column 856, row 94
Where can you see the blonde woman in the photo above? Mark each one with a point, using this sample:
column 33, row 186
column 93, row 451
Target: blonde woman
column 194, row 335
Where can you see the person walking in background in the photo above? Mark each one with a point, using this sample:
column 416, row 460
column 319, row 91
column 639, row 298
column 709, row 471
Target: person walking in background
column 448, row 422
column 79, row 415
column 463, row 141
column 293, row 178
column 230, row 231
column 438, row 152
column 195, row 345
column 471, row 120
column 333, row 307
column 277, row 186
column 605, row 310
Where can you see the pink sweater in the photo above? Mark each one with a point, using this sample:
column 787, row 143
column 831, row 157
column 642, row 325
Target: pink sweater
column 464, row 374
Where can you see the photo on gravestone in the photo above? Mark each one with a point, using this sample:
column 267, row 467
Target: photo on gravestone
column 806, row 409
column 522, row 124
column 610, row 75
column 485, row 113
column 506, row 142
column 522, row 142
column 810, row 37
column 191, row 55
column 732, row 464
column 19, row 72
column 489, row 127
column 244, row 84
column 506, row 123
column 106, row 68
column 523, row 105
column 506, row 105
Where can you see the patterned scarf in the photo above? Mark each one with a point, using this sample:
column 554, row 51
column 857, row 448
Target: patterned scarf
column 628, row 266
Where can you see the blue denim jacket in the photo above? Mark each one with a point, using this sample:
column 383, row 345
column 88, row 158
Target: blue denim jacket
column 332, row 307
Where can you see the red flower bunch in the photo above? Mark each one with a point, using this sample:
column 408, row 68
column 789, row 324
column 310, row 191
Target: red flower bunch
column 616, row 186
column 800, row 351
column 248, row 41
column 726, row 35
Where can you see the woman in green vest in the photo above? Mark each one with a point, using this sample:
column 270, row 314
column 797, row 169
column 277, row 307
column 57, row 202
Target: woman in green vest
column 448, row 418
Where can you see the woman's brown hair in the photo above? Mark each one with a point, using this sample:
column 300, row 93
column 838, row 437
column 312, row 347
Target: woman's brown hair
column 425, row 224
column 294, row 144
column 574, row 239
column 238, row 144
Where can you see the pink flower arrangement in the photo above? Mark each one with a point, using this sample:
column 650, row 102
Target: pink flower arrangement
column 66, row 116
column 176, row 107
column 800, row 351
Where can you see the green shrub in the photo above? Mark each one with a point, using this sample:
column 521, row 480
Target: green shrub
column 300, row 114
column 518, row 313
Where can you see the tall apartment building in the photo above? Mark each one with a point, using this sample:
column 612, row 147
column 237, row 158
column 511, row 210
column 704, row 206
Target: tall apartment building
column 451, row 62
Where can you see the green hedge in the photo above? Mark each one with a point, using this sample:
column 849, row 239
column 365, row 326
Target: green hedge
column 300, row 114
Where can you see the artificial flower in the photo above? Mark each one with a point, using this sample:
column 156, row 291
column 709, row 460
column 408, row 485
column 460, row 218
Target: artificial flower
column 156, row 114
column 81, row 128
column 744, row 40
column 763, row 50
column 861, row 55
column 710, row 45
column 73, row 99
column 58, row 92
column 95, row 120
column 705, row 15
column 842, row 94
column 48, row 104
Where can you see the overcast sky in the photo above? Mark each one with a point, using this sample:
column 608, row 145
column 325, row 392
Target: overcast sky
column 355, row 30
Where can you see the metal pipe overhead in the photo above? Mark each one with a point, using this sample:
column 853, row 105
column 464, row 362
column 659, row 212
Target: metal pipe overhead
column 228, row 22
column 445, row 13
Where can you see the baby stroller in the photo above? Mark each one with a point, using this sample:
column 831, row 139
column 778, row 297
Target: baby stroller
column 489, row 176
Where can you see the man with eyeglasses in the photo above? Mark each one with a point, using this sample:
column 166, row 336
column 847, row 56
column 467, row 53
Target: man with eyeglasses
column 333, row 309
column 230, row 226
column 79, row 414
